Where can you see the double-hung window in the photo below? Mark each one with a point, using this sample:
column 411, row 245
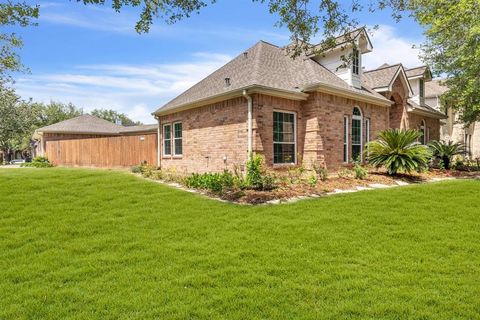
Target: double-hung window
column 172, row 139
column 177, row 138
column 284, row 139
column 167, row 140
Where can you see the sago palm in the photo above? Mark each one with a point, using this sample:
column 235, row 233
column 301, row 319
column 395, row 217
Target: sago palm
column 445, row 151
column 398, row 151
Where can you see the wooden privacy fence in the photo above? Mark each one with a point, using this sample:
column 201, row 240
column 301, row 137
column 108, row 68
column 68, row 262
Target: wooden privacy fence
column 121, row 151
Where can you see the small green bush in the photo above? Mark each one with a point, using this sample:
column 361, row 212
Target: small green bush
column 312, row 180
column 359, row 171
column 215, row 182
column 38, row 162
column 136, row 169
column 321, row 171
column 255, row 169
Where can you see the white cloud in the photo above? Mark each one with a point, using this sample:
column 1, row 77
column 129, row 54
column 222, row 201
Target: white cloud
column 133, row 89
column 389, row 47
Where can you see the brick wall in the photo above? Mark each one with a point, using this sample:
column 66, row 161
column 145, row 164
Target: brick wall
column 214, row 137
column 432, row 124
column 218, row 131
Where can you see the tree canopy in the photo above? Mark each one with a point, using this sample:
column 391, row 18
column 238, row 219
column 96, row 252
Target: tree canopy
column 452, row 29
column 114, row 116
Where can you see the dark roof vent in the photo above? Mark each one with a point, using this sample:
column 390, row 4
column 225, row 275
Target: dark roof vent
column 245, row 54
column 227, row 82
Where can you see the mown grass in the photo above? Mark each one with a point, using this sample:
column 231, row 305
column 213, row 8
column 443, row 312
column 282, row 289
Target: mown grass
column 91, row 244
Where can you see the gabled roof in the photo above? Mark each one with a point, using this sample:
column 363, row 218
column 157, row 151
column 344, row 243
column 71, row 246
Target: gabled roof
column 88, row 124
column 382, row 78
column 424, row 109
column 435, row 88
column 418, row 72
column 355, row 36
column 264, row 66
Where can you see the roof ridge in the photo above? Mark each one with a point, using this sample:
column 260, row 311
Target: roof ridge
column 257, row 62
column 386, row 67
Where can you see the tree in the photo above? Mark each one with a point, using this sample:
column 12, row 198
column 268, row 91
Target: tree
column 453, row 49
column 16, row 121
column 11, row 14
column 55, row 112
column 114, row 116
column 445, row 151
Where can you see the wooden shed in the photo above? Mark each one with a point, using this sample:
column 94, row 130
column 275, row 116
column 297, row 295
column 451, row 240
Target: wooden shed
column 89, row 141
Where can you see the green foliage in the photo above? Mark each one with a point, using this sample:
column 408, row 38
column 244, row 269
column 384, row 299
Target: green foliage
column 38, row 162
column 312, row 180
column 113, row 116
column 13, row 14
column 255, row 171
column 359, row 171
column 445, row 151
column 321, row 171
column 398, row 151
column 215, row 182
column 452, row 30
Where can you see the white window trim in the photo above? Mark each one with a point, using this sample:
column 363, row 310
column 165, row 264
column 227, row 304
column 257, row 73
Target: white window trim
column 163, row 140
column 356, row 56
column 294, row 140
column 360, row 117
column 346, row 130
column 174, row 140
column 367, row 130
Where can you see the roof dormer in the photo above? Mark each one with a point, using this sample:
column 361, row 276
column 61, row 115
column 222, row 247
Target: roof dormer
column 417, row 78
column 345, row 57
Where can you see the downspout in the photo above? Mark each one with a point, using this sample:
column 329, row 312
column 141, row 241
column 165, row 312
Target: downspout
column 249, row 123
column 158, row 143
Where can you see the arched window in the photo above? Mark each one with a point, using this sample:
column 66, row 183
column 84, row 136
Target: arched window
column 423, row 131
column 357, row 121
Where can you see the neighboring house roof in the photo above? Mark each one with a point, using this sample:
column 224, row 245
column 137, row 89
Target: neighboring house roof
column 88, row 124
column 269, row 67
column 382, row 78
column 435, row 88
column 424, row 109
column 418, row 72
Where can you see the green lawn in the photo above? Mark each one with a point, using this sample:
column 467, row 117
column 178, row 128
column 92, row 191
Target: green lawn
column 91, row 244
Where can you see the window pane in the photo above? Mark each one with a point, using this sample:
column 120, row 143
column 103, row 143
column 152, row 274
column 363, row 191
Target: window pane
column 167, row 134
column 167, row 147
column 356, row 131
column 356, row 150
column 178, row 130
column 178, row 146
column 283, row 153
column 283, row 127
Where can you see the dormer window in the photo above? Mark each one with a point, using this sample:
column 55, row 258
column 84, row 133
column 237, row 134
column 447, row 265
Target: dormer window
column 356, row 61
column 422, row 88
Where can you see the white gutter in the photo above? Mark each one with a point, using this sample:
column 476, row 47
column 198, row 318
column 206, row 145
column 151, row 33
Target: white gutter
column 249, row 123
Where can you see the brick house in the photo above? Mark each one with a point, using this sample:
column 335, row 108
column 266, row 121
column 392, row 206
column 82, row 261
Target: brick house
column 312, row 109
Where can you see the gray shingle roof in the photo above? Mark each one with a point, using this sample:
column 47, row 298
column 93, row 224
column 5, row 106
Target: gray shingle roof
column 88, row 124
column 264, row 65
column 415, row 72
column 426, row 108
column 381, row 77
column 435, row 88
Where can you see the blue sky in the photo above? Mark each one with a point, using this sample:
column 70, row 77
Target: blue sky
column 92, row 56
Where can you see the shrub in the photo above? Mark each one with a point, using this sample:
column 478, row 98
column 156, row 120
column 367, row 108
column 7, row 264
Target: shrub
column 445, row 151
column 398, row 151
column 359, row 171
column 38, row 162
column 321, row 171
column 136, row 169
column 312, row 180
column 215, row 182
column 257, row 176
column 255, row 168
